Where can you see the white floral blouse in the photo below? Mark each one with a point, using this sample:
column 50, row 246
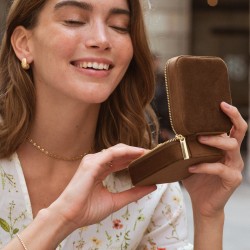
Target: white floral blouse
column 155, row 222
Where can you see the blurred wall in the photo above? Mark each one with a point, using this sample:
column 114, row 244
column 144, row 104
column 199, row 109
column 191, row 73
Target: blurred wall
column 169, row 27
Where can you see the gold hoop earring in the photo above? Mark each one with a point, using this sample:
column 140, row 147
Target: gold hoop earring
column 24, row 64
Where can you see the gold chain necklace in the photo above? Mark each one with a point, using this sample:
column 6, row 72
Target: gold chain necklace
column 55, row 156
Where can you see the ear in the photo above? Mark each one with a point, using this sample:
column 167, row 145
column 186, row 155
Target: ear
column 20, row 43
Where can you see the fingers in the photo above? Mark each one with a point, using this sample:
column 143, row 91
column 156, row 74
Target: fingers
column 121, row 155
column 239, row 124
column 228, row 144
column 111, row 160
column 231, row 176
column 223, row 142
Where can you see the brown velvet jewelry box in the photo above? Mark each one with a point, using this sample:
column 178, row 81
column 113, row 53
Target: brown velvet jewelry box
column 195, row 85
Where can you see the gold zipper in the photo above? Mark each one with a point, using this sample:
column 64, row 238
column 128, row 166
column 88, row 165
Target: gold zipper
column 168, row 99
column 178, row 137
column 184, row 147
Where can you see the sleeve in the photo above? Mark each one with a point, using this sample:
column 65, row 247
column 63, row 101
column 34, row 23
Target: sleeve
column 168, row 227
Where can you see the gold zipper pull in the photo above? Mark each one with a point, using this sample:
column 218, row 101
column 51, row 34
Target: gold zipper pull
column 184, row 147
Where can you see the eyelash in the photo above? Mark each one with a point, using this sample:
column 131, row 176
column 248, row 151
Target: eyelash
column 78, row 23
column 120, row 29
column 73, row 22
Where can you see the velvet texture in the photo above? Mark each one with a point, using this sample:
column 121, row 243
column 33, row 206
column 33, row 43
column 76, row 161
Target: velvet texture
column 197, row 85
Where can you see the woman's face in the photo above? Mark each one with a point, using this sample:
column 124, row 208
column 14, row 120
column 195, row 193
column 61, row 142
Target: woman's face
column 81, row 48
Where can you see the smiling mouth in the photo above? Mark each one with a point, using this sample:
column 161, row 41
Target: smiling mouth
column 92, row 65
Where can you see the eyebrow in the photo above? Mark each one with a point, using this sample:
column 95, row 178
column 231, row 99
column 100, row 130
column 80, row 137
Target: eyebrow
column 89, row 7
column 118, row 11
column 81, row 5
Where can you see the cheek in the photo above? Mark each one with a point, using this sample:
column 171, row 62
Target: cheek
column 54, row 45
column 128, row 53
column 128, row 50
column 61, row 52
column 124, row 54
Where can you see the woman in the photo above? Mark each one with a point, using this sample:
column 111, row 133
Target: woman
column 76, row 78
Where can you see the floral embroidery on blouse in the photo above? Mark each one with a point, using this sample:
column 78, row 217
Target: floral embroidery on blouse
column 7, row 180
column 9, row 224
column 155, row 222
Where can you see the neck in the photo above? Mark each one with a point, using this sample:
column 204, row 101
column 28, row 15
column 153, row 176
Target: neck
column 68, row 132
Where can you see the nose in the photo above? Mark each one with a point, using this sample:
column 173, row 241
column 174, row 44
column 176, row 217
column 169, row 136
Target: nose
column 98, row 37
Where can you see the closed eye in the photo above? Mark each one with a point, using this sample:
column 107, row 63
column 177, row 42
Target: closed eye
column 72, row 22
column 120, row 29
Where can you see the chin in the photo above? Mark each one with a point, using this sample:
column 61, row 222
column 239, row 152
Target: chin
column 100, row 95
column 95, row 98
column 94, row 93
column 101, row 99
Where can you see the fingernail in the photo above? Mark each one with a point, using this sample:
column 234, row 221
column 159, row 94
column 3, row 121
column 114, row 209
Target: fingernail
column 192, row 169
column 203, row 138
column 226, row 105
column 140, row 150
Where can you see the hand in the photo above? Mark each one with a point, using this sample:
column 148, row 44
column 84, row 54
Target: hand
column 213, row 183
column 85, row 200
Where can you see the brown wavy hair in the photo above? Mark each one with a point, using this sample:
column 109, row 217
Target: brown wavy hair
column 124, row 117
